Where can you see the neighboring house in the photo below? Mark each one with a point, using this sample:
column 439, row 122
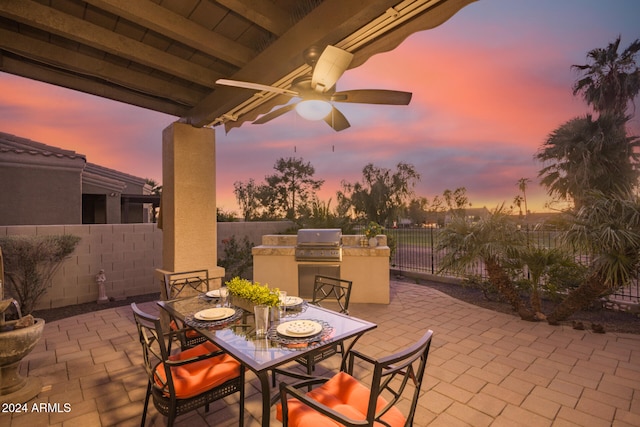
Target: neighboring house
column 44, row 185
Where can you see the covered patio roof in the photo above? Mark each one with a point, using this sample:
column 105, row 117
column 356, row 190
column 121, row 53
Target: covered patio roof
column 166, row 55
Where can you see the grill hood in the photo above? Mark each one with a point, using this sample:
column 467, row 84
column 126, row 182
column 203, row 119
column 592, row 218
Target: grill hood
column 319, row 244
column 319, row 237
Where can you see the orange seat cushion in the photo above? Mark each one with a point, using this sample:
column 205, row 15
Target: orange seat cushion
column 194, row 378
column 343, row 394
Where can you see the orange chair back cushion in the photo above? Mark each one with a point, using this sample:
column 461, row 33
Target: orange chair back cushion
column 194, row 378
column 343, row 394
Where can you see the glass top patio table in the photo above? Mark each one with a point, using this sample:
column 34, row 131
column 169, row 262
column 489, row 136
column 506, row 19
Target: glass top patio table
column 238, row 337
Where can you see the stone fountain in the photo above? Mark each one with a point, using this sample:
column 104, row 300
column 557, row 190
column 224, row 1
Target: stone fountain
column 17, row 339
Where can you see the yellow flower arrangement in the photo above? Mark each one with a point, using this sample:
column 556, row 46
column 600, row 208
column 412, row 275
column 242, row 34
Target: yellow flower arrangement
column 253, row 291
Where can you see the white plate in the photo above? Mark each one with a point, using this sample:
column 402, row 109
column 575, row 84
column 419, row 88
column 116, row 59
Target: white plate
column 213, row 294
column 299, row 328
column 214, row 313
column 291, row 301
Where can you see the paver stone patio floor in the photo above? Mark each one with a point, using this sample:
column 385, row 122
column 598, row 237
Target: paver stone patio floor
column 485, row 369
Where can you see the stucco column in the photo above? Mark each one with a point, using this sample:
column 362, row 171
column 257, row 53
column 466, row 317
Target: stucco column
column 189, row 228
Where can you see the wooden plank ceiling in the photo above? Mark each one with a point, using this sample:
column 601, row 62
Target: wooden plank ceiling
column 165, row 55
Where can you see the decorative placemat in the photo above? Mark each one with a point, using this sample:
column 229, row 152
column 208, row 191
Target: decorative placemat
column 293, row 301
column 301, row 343
column 295, row 310
column 196, row 323
column 206, row 297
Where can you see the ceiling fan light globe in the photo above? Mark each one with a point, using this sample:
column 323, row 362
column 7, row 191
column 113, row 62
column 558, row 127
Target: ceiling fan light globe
column 313, row 109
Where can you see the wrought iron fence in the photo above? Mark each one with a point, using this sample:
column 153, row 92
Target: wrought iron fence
column 415, row 249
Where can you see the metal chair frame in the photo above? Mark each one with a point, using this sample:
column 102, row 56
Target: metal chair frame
column 391, row 376
column 328, row 288
column 184, row 284
column 156, row 347
column 325, row 288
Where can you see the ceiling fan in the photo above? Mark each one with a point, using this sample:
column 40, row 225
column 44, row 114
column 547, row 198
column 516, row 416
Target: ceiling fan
column 317, row 90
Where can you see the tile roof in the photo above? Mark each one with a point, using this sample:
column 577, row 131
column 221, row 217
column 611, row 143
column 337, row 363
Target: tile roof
column 15, row 144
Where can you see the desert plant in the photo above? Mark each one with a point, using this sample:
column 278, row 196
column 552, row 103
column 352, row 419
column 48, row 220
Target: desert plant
column 539, row 260
column 489, row 292
column 496, row 242
column 237, row 260
column 30, row 263
column 562, row 278
column 609, row 229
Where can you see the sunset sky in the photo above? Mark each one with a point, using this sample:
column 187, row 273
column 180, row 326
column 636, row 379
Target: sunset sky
column 488, row 86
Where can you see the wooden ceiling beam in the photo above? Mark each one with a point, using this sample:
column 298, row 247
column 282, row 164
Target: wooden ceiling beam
column 82, row 84
column 262, row 13
column 179, row 28
column 81, row 64
column 56, row 22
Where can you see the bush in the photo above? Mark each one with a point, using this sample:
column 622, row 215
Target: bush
column 489, row 291
column 562, row 278
column 30, row 263
column 237, row 260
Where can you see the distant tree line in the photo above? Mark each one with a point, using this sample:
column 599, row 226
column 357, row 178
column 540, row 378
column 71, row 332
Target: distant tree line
column 382, row 195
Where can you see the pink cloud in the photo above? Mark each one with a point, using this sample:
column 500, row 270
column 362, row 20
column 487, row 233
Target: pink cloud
column 109, row 133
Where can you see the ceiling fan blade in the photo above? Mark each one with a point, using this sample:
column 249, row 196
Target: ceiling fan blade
column 255, row 86
column 274, row 114
column 373, row 96
column 330, row 66
column 337, row 120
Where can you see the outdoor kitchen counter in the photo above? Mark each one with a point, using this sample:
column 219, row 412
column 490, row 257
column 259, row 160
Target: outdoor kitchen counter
column 274, row 263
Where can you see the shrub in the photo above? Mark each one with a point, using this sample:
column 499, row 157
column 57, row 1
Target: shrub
column 30, row 263
column 489, row 291
column 563, row 278
column 237, row 260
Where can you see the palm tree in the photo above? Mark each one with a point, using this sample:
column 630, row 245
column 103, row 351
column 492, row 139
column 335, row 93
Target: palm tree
column 495, row 241
column 609, row 229
column 584, row 155
column 156, row 188
column 610, row 80
column 518, row 200
column 522, row 186
column 538, row 261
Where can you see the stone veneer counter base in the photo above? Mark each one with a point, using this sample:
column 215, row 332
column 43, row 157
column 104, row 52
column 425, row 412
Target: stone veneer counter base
column 274, row 264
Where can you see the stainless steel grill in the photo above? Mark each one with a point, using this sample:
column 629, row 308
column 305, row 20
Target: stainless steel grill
column 319, row 245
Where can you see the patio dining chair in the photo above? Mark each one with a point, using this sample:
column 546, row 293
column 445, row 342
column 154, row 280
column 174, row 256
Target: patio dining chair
column 333, row 289
column 182, row 285
column 337, row 291
column 343, row 400
column 184, row 381
column 329, row 290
